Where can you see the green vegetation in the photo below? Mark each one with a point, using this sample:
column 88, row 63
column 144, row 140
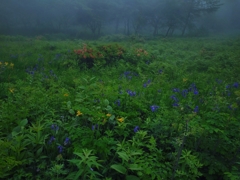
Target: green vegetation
column 161, row 109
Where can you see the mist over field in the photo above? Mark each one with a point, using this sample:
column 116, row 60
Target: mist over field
column 89, row 19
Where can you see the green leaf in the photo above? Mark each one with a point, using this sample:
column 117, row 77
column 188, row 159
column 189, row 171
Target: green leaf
column 119, row 168
column 132, row 177
column 69, row 104
column 39, row 151
column 136, row 153
column 109, row 109
column 123, row 155
column 106, row 102
column 71, row 111
column 23, row 122
column 134, row 167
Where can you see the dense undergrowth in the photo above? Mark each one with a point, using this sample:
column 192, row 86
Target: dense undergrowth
column 157, row 109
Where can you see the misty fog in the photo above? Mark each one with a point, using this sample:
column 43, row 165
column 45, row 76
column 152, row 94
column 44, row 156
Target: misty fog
column 94, row 18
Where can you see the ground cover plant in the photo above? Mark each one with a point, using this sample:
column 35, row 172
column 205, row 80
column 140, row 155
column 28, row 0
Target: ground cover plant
column 162, row 109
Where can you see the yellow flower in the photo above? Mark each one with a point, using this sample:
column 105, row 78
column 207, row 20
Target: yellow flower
column 79, row 113
column 185, row 79
column 0, row 63
column 11, row 65
column 120, row 119
column 104, row 121
column 6, row 63
column 11, row 90
column 66, row 95
column 108, row 115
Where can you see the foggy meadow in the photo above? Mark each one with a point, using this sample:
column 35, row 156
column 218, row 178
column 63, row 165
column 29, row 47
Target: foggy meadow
column 112, row 90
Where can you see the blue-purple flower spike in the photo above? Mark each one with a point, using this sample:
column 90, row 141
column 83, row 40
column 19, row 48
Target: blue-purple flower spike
column 136, row 129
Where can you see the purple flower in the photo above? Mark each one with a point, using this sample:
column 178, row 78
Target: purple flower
column 196, row 109
column 236, row 84
column 54, row 127
column 160, row 71
column 118, row 102
column 184, row 92
column 195, row 92
column 147, row 83
column 154, row 108
column 67, row 141
column 136, row 129
column 176, row 90
column 131, row 93
column 174, row 97
column 94, row 127
column 193, row 88
column 175, row 104
column 60, row 149
column 52, row 138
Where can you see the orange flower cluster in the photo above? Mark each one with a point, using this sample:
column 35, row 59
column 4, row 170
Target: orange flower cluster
column 141, row 52
column 88, row 53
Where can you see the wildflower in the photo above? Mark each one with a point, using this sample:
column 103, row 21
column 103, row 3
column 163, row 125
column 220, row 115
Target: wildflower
column 196, row 109
column 174, row 97
column 11, row 65
column 108, row 115
column 185, row 79
column 195, row 92
column 154, row 108
column 236, row 84
column 176, row 90
column 120, row 119
column 131, row 93
column 0, row 63
column 184, row 92
column 160, row 71
column 147, row 83
column 79, row 113
column 67, row 141
column 52, row 138
column 94, row 127
column 175, row 104
column 118, row 102
column 6, row 63
column 136, row 129
column 66, row 95
column 54, row 127
column 104, row 121
column 11, row 90
column 60, row 149
column 59, row 157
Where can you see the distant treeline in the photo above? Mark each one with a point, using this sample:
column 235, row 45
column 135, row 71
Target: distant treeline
column 94, row 18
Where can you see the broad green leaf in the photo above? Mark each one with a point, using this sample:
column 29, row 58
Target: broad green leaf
column 71, row 111
column 132, row 177
column 69, row 104
column 123, row 155
column 134, row 167
column 109, row 109
column 136, row 153
column 106, row 102
column 23, row 122
column 119, row 168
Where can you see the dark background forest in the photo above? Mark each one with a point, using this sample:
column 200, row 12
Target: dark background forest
column 88, row 19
